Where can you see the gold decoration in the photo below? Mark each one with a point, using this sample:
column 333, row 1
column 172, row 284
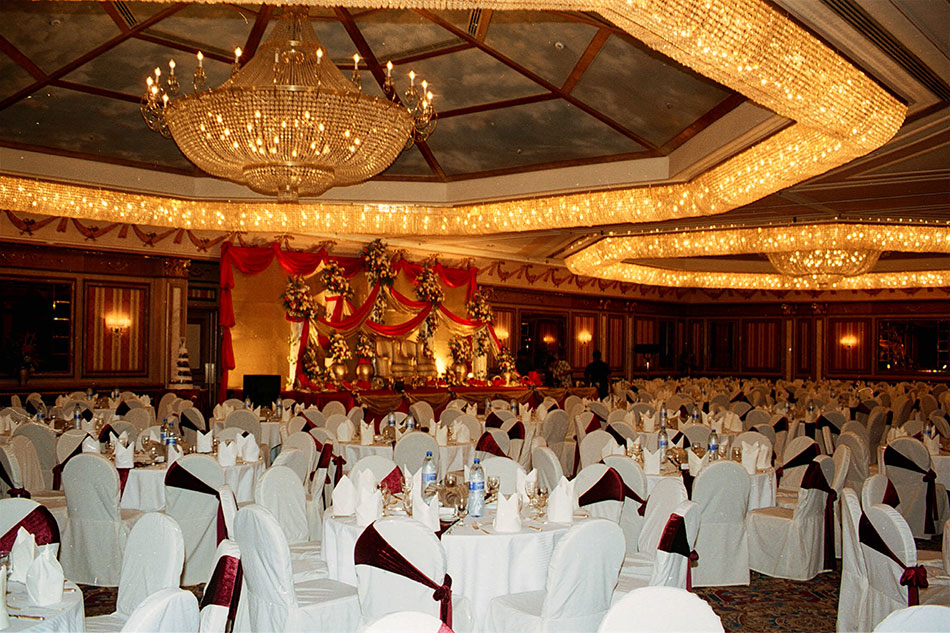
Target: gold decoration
column 825, row 266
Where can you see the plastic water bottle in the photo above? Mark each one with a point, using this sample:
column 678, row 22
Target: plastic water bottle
column 77, row 421
column 280, row 409
column 695, row 414
column 40, row 416
column 811, row 413
column 171, row 443
column 164, row 431
column 514, row 407
column 662, row 443
column 411, row 425
column 429, row 474
column 662, row 415
column 713, row 447
column 476, row 490
column 929, row 430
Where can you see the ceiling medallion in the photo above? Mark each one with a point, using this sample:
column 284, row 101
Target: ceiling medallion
column 288, row 123
column 817, row 256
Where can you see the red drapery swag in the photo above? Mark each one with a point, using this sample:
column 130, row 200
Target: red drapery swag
column 255, row 260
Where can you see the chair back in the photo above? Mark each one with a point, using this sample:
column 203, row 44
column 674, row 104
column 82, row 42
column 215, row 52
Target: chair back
column 334, row 407
column 637, row 613
column 411, row 449
column 268, row 575
column 244, row 420
column 756, row 417
column 697, row 434
column 858, row 466
column 631, row 520
column 855, row 427
column 31, row 473
column 222, row 592
column 842, row 463
column 91, row 484
column 877, row 489
column 667, row 494
column 355, row 415
column 196, row 418
column 592, row 447
column 548, row 466
column 721, row 492
column 297, row 460
column 506, row 470
column 334, row 420
column 422, row 412
column 302, row 442
column 854, row 577
column 877, row 421
column 924, row 617
column 380, row 466
column 195, row 507
column 885, row 592
column 36, row 519
column 44, row 442
column 599, row 491
column 153, row 560
column 315, row 416
column 555, row 426
column 799, row 453
column 673, row 556
column 281, row 492
column 406, row 622
column 170, row 610
column 234, row 403
column 140, row 418
column 449, row 415
column 474, row 426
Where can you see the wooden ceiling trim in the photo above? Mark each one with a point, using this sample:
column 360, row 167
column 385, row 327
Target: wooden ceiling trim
column 183, row 47
column 718, row 111
column 94, row 90
column 21, row 60
column 418, row 57
column 82, row 59
column 497, row 105
column 547, row 85
column 257, row 31
column 483, row 22
column 113, row 12
column 586, row 59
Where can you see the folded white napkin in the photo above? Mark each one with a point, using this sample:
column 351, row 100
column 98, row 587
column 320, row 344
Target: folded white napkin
column 366, row 433
column 44, row 579
column 461, row 433
column 651, row 462
column 633, row 443
column 369, row 505
column 124, row 438
column 427, row 514
column 250, row 449
column 90, row 445
column 893, row 434
column 89, row 426
column 561, row 502
column 649, row 422
column 257, row 411
column 507, row 515
column 345, row 431
column 124, row 455
column 628, row 418
column 472, row 410
column 612, row 448
column 227, row 454
column 22, row 555
column 442, row 435
column 146, row 400
column 732, row 423
column 750, row 457
column 765, row 458
column 344, row 498
column 695, row 463
column 174, row 454
column 932, row 444
column 522, row 482
column 205, row 442
column 285, row 414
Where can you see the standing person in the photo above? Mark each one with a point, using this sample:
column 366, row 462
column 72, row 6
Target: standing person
column 598, row 374
column 560, row 372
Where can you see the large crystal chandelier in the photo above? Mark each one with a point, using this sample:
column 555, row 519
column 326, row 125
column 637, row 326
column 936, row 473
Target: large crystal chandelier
column 824, row 266
column 288, row 123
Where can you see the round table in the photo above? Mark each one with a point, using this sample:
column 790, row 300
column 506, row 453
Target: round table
column 145, row 488
column 762, row 493
column 483, row 566
column 65, row 616
column 451, row 457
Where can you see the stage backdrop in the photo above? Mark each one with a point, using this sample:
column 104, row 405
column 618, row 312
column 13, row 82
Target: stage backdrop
column 260, row 333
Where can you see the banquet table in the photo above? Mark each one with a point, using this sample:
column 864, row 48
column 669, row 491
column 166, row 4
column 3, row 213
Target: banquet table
column 270, row 432
column 451, row 457
column 483, row 566
column 67, row 616
column 145, row 488
column 762, row 493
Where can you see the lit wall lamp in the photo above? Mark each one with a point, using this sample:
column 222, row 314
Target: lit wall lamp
column 548, row 339
column 118, row 324
column 501, row 334
column 584, row 337
column 848, row 341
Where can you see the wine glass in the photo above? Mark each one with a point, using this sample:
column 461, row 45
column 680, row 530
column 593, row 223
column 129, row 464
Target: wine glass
column 451, row 480
column 541, row 500
column 494, row 483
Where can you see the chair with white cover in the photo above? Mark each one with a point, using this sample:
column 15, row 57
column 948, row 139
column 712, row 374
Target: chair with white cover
column 449, row 415
column 28, row 462
column 924, row 617
column 697, row 434
column 492, row 442
column 667, row 495
column 721, row 490
column 877, row 423
column 422, row 412
column 170, row 610
column 191, row 420
column 303, row 442
column 230, row 434
column 222, row 592
column 674, row 554
column 548, row 467
column 407, row 622
column 852, row 594
column 244, row 420
column 96, row 530
column 635, row 498
column 44, row 442
column 895, row 580
column 296, row 460
column 854, row 426
column 755, row 417
column 192, row 486
column 334, row 407
column 517, row 434
column 474, row 426
column 592, row 447
column 923, row 502
column 153, row 559
column 554, row 430
column 789, row 543
column 411, row 450
column 799, row 453
column 506, row 470
column 753, row 437
column 18, row 512
column 400, row 565
column 859, row 465
column 140, row 418
column 879, row 489
column 315, row 417
column 581, row 576
column 599, row 490
column 682, row 610
column 355, row 415
column 271, row 601
column 334, row 420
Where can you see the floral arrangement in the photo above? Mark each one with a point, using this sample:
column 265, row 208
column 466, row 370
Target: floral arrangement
column 479, row 344
column 505, row 360
column 427, row 351
column 364, row 349
column 335, row 281
column 379, row 268
column 427, row 329
column 460, row 349
column 479, row 308
column 339, row 351
column 562, row 373
column 297, row 300
column 428, row 287
column 313, row 367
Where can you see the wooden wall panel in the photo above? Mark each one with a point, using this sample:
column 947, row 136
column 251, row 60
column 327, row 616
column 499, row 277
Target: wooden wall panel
column 849, row 345
column 583, row 325
column 106, row 352
column 761, row 343
column 505, row 327
column 615, row 347
column 804, row 348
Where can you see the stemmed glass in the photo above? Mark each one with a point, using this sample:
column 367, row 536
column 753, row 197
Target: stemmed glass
column 494, row 483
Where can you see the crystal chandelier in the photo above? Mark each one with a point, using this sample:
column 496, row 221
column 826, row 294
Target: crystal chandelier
column 288, row 123
column 825, row 266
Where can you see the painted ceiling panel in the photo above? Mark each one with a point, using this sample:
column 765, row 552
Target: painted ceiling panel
column 396, row 34
column 217, row 28
column 12, row 77
column 409, row 163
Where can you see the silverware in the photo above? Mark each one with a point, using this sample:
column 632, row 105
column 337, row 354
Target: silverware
column 23, row 616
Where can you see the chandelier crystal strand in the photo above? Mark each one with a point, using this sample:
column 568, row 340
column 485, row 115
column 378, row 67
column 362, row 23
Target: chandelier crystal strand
column 824, row 265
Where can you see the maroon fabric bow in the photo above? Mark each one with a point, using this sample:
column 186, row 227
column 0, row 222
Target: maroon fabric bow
column 493, row 421
column 516, row 432
column 394, row 481
column 914, row 578
column 780, row 425
column 488, row 444
column 224, row 588
column 594, row 425
column 373, row 550
column 814, row 479
column 898, row 460
column 123, row 479
column 609, row 487
column 891, row 497
column 104, row 433
column 178, row 476
column 802, row 459
column 58, row 468
column 675, row 541
column 39, row 522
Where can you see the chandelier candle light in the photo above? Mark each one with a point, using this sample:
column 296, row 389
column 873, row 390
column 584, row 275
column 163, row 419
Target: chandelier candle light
column 287, row 122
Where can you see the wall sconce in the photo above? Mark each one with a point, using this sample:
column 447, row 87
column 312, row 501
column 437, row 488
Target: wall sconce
column 502, row 335
column 548, row 339
column 118, row 324
column 848, row 341
column 584, row 337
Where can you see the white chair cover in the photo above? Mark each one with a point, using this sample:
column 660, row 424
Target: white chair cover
column 96, row 531
column 197, row 515
column 44, row 442
column 697, row 434
column 554, row 429
column 860, row 459
column 297, row 460
column 270, row 599
column 671, row 564
column 585, row 481
column 334, row 420
column 631, row 521
column 31, row 473
column 406, row 622
column 799, row 453
column 334, row 407
column 411, row 449
column 315, row 416
column 925, row 617
column 852, row 610
column 637, row 612
column 581, row 577
column 721, row 490
column 140, row 418
column 244, row 420
column 222, row 591
column 506, row 470
column 911, row 486
column 592, row 447
column 515, row 445
column 166, row 611
column 548, row 466
column 422, row 412
column 355, row 414
column 380, row 466
column 281, row 492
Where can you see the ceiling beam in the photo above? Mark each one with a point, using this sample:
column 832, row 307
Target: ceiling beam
column 99, row 50
column 718, row 111
column 21, row 60
column 497, row 105
column 586, row 59
column 418, row 57
column 363, row 48
column 257, row 31
column 185, row 48
column 112, row 12
column 94, row 90
column 547, row 85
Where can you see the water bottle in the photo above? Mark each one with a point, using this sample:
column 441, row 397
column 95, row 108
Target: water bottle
column 662, row 442
column 164, row 431
column 391, row 420
column 811, row 412
column 514, row 407
column 713, row 447
column 171, row 443
column 40, row 417
column 280, row 409
column 476, row 490
column 929, row 430
column 88, row 393
column 695, row 414
column 77, row 421
column 662, row 416
column 429, row 474
column 411, row 424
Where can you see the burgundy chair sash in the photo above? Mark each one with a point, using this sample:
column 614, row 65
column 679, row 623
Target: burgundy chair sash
column 373, row 550
column 810, row 428
column 594, row 425
column 308, row 426
column 674, row 541
column 814, row 479
column 123, row 479
column 684, row 412
column 679, row 436
column 488, row 444
column 224, row 588
column 609, row 487
column 780, row 425
column 12, row 490
column 822, row 422
column 741, row 397
column 614, row 433
column 30, row 408
column 914, row 578
column 58, row 468
column 86, row 415
column 492, row 421
column 39, row 522
column 598, row 415
column 802, row 459
column 891, row 497
column 394, row 481
column 516, row 432
column 894, row 458
column 122, row 409
column 185, row 422
column 104, row 433
column 861, row 408
column 178, row 476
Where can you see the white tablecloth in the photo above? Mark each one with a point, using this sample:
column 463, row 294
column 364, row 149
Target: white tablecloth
column 270, row 432
column 451, row 457
column 145, row 488
column 761, row 494
column 65, row 617
column 482, row 566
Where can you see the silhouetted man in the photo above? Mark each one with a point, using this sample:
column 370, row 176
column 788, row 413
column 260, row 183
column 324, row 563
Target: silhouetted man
column 598, row 374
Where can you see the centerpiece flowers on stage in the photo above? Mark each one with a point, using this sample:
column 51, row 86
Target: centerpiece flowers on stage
column 340, row 353
column 461, row 349
column 379, row 270
column 301, row 310
column 506, row 365
column 365, row 352
column 479, row 309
